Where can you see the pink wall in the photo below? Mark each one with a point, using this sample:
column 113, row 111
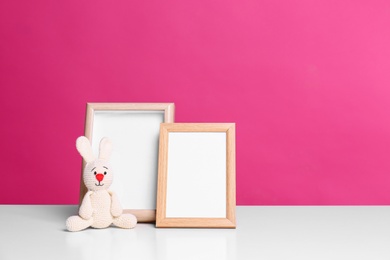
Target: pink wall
column 307, row 82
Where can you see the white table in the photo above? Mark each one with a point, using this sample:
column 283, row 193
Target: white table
column 38, row 232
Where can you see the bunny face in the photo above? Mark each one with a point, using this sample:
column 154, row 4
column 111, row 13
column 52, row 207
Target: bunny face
column 97, row 172
column 98, row 175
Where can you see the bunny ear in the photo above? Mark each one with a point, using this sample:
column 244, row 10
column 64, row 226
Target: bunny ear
column 84, row 147
column 105, row 149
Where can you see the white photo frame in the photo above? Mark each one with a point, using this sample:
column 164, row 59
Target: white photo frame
column 196, row 176
column 134, row 131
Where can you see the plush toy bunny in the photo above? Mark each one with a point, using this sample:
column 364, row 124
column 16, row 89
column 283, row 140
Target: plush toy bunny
column 100, row 207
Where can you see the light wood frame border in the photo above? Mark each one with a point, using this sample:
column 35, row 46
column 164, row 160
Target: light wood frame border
column 142, row 215
column 230, row 220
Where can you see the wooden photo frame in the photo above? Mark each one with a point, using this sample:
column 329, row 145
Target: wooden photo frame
column 196, row 175
column 134, row 131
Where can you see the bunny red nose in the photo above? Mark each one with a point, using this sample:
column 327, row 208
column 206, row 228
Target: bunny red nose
column 99, row 177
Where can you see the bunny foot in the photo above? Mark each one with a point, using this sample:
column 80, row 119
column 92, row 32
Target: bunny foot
column 125, row 221
column 76, row 223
